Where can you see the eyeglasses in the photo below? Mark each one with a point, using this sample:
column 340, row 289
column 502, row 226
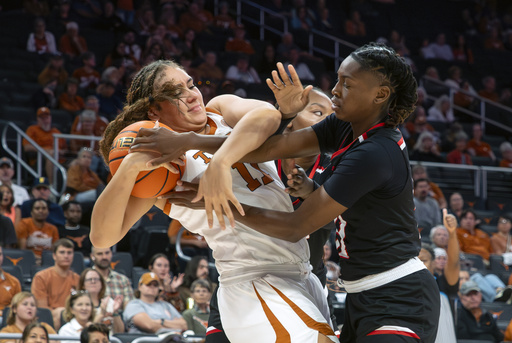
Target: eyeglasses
column 74, row 292
column 504, row 221
column 93, row 280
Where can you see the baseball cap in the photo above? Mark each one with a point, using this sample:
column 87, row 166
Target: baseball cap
column 147, row 278
column 469, row 286
column 41, row 111
column 41, row 182
column 6, row 160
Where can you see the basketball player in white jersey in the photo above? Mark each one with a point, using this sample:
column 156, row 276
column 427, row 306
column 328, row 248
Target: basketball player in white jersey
column 267, row 292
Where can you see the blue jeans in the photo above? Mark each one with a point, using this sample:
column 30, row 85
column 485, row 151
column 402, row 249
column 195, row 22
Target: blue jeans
column 488, row 285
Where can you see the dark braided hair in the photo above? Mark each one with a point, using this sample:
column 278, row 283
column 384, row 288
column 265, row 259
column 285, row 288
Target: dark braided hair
column 141, row 95
column 395, row 73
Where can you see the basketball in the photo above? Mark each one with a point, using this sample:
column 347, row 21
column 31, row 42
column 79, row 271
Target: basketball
column 151, row 183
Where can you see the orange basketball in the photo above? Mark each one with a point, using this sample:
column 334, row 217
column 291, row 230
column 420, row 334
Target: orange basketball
column 149, row 184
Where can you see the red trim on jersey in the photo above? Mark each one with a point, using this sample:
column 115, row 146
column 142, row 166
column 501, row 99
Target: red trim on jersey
column 360, row 139
column 211, row 332
column 393, row 332
column 279, row 168
column 296, row 202
column 315, row 166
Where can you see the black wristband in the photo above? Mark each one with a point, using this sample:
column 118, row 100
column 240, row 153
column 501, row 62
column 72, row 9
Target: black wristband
column 283, row 125
column 162, row 321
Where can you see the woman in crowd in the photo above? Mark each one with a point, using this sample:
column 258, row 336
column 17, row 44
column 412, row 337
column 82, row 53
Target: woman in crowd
column 82, row 181
column 197, row 316
column 105, row 308
column 22, row 314
column 160, row 265
column 35, row 333
column 7, row 207
column 78, row 313
column 426, row 149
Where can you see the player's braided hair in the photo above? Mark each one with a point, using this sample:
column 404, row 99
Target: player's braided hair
column 141, row 95
column 395, row 73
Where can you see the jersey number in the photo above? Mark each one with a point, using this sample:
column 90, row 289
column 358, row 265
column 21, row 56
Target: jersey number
column 252, row 183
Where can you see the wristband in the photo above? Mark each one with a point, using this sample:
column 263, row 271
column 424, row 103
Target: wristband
column 162, row 322
column 283, row 125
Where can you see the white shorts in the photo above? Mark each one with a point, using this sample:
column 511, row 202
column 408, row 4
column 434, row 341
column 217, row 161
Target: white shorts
column 275, row 309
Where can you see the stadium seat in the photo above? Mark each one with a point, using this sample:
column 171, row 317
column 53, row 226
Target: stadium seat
column 496, row 264
column 77, row 266
column 136, row 274
column 487, row 217
column 153, row 240
column 42, row 314
column 476, row 261
column 501, row 311
column 16, row 272
column 122, row 261
column 25, row 259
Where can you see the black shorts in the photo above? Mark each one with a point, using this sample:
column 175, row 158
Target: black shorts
column 215, row 332
column 405, row 310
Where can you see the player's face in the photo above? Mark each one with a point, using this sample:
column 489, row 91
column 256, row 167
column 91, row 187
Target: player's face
column 188, row 112
column 354, row 92
column 36, row 335
column 161, row 267
column 317, row 109
column 26, row 309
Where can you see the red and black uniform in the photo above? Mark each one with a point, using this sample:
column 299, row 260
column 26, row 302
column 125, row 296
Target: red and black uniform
column 391, row 293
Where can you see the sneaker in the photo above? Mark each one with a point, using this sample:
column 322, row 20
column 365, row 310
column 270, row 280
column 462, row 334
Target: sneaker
column 504, row 295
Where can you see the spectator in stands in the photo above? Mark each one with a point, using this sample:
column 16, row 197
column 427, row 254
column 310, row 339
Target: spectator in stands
column 197, row 317
column 109, row 20
column 104, row 307
column 35, row 333
column 426, row 149
column 60, row 16
column 117, row 284
column 6, row 176
column 493, row 40
column 302, row 19
column 238, row 43
column 461, row 51
column 9, row 285
column 119, row 57
column 83, row 184
column 87, row 76
column 422, row 98
column 459, row 155
column 22, row 314
column 397, row 42
column 301, row 68
column 77, row 314
column 489, row 90
column 160, row 265
column 416, row 125
column 283, row 48
column 86, row 121
column 454, row 77
column 456, row 205
column 449, row 136
column 7, row 207
column 420, row 172
column 41, row 190
column 192, row 244
column 242, row 71
column 268, row 61
column 427, row 211
column 506, row 153
column 69, row 100
column 197, row 268
column 41, row 41
column 464, row 97
column 440, row 49
column 209, row 70
column 439, row 236
column 224, row 19
column 354, row 26
column 110, row 104
column 441, row 111
column 491, row 286
column 74, row 231
column 36, row 8
column 145, row 21
column 472, row 321
column 35, row 233
column 51, row 286
column 46, row 96
column 189, row 45
column 132, row 49
column 54, row 70
column 95, row 333
column 501, row 241
column 448, row 280
column 195, row 18
column 146, row 314
column 42, row 134
column 477, row 147
column 471, row 239
column 433, row 83
column 91, row 103
column 71, row 43
column 8, row 237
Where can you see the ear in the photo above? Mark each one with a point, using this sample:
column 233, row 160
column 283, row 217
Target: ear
column 152, row 116
column 383, row 95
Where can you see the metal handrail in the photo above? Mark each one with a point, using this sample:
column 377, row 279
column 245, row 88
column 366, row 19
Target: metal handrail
column 261, row 18
column 179, row 251
column 54, row 337
column 40, row 154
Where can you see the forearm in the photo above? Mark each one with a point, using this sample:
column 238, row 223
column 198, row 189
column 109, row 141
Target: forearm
column 178, row 323
column 453, row 264
column 118, row 324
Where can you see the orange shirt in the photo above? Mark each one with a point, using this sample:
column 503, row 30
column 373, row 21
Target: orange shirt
column 82, row 180
column 437, row 193
column 505, row 163
column 99, row 126
column 87, row 79
column 9, row 287
column 50, row 286
column 43, row 138
column 481, row 149
column 479, row 243
column 67, row 47
column 38, row 239
column 71, row 104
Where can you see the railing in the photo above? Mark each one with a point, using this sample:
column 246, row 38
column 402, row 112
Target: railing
column 313, row 36
column 483, row 103
column 22, row 165
column 54, row 337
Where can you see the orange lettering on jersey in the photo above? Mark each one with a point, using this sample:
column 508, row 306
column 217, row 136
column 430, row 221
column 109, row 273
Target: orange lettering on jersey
column 252, row 183
column 266, row 178
column 14, row 260
column 200, row 154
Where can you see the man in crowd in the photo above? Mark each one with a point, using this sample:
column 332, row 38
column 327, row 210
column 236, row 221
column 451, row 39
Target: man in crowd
column 94, row 333
column 427, row 211
column 117, row 284
column 9, row 285
column 51, row 286
column 41, row 190
column 77, row 233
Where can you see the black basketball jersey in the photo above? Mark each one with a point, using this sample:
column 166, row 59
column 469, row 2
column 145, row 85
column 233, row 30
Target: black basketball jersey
column 371, row 176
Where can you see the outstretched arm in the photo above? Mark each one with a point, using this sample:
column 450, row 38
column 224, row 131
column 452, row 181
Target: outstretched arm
column 452, row 268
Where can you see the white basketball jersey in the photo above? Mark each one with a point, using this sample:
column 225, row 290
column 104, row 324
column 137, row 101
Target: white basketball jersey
column 253, row 184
